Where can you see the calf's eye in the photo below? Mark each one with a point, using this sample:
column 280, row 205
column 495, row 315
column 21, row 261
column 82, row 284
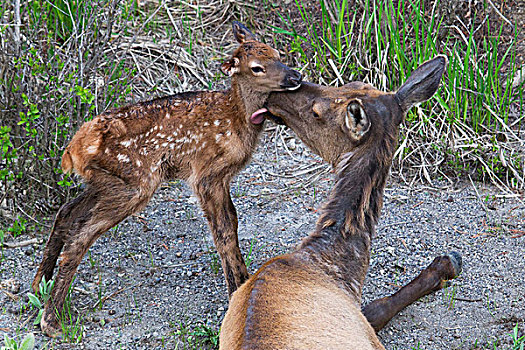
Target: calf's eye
column 257, row 69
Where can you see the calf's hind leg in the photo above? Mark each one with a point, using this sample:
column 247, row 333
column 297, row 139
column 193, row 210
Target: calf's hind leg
column 69, row 217
column 433, row 278
column 109, row 205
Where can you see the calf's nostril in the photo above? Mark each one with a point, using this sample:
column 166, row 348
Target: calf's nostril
column 295, row 78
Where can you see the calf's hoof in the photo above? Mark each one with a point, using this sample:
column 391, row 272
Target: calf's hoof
column 49, row 325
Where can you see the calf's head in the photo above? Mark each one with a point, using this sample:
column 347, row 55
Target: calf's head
column 333, row 121
column 257, row 66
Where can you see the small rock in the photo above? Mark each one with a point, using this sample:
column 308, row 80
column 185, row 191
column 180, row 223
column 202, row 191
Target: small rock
column 12, row 285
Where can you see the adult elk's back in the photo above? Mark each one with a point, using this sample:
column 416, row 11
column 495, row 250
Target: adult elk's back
column 311, row 298
column 123, row 155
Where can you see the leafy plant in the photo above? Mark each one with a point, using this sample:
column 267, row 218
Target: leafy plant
column 194, row 338
column 40, row 299
column 28, row 343
column 18, row 227
column 8, row 153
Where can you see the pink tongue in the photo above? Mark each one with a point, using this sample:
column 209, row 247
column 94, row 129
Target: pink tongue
column 257, row 116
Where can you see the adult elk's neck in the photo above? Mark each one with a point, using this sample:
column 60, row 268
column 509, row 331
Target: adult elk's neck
column 340, row 244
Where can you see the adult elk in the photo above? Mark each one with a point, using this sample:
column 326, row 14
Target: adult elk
column 311, row 298
column 123, row 155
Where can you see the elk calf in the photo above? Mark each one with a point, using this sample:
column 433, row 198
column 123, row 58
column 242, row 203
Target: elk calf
column 311, row 298
column 123, row 155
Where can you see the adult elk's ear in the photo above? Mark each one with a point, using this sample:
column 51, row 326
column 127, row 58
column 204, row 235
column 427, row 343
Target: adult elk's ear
column 356, row 120
column 241, row 33
column 422, row 84
column 231, row 66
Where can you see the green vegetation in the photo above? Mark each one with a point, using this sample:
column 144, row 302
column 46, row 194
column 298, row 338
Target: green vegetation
column 72, row 325
column 200, row 336
column 28, row 343
column 39, row 299
column 518, row 342
column 476, row 111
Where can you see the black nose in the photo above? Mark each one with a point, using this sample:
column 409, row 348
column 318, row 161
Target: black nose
column 294, row 78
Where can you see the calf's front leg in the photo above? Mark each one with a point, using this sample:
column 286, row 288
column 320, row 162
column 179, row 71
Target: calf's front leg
column 218, row 207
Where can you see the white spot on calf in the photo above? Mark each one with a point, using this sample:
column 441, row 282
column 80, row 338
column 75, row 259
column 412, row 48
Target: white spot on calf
column 92, row 149
column 217, row 122
column 228, row 133
column 164, row 144
column 123, row 158
column 206, row 124
column 167, row 115
column 139, row 163
column 218, row 137
column 126, row 143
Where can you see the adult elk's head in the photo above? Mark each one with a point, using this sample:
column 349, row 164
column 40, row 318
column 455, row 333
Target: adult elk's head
column 333, row 121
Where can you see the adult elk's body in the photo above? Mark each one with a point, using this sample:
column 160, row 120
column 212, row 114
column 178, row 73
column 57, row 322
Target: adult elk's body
column 311, row 298
column 123, row 155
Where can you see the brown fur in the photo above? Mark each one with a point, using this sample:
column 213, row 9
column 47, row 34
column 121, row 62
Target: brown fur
column 311, row 298
column 123, row 155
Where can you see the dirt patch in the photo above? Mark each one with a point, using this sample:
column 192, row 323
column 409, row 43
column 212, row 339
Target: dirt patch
column 157, row 276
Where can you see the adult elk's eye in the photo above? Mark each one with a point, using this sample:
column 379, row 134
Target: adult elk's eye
column 316, row 116
column 257, row 69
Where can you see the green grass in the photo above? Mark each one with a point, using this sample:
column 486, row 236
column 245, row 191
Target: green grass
column 383, row 42
column 72, row 325
column 518, row 342
column 195, row 336
column 449, row 296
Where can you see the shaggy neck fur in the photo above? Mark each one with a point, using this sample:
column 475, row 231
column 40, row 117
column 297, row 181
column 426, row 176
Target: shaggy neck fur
column 340, row 245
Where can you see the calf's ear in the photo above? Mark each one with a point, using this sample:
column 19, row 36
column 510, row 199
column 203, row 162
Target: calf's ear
column 231, row 66
column 242, row 33
column 422, row 84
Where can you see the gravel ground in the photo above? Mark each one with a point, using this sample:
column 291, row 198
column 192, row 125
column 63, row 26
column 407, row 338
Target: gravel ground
column 157, row 275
